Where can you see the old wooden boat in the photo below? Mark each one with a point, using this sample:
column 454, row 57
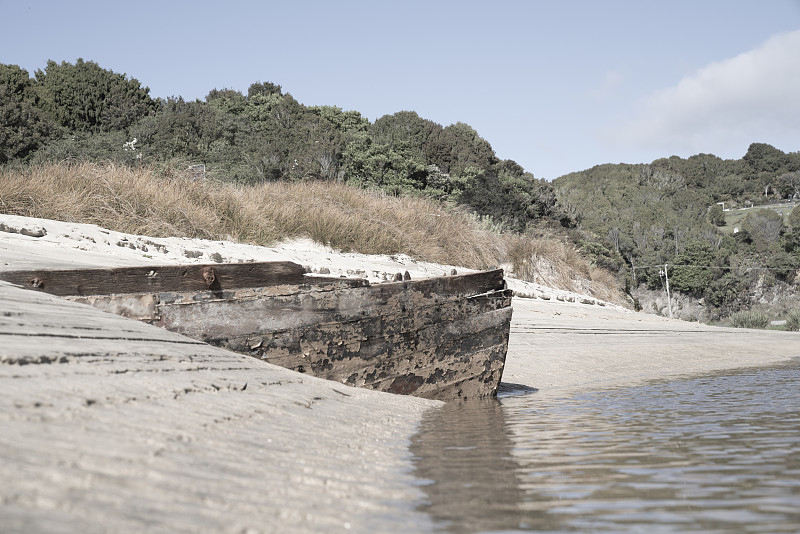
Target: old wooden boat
column 441, row 338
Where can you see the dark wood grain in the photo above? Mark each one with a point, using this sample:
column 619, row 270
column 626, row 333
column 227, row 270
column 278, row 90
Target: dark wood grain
column 149, row 279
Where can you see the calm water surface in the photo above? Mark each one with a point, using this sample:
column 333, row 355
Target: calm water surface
column 720, row 453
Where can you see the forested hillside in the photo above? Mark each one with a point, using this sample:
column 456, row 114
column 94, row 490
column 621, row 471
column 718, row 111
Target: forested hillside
column 82, row 111
column 635, row 219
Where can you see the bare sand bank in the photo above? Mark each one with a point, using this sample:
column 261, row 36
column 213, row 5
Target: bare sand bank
column 110, row 425
column 113, row 425
column 556, row 345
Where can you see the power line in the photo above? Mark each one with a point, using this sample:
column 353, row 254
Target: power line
column 661, row 265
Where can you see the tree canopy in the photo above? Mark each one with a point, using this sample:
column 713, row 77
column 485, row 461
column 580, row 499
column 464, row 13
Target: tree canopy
column 87, row 98
column 82, row 110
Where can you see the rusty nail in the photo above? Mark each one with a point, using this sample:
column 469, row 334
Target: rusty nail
column 210, row 276
column 37, row 283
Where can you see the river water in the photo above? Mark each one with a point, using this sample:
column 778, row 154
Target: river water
column 717, row 453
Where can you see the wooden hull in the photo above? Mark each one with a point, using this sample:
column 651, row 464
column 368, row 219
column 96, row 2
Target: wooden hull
column 443, row 338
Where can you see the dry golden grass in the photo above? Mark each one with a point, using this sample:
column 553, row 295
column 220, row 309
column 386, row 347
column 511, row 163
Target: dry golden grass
column 164, row 202
column 554, row 263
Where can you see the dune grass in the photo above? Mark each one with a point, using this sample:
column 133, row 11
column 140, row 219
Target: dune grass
column 749, row 319
column 163, row 202
column 793, row 320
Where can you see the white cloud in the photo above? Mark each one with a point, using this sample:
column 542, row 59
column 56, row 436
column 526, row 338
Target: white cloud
column 725, row 106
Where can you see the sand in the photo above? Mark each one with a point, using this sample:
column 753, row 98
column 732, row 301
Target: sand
column 113, row 425
column 557, row 346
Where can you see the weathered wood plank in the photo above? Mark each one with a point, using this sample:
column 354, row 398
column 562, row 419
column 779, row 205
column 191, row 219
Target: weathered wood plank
column 278, row 309
column 147, row 306
column 220, row 277
column 214, row 277
column 371, row 338
column 216, row 314
column 464, row 284
column 367, row 339
column 421, row 348
column 476, row 353
column 473, row 377
column 313, row 279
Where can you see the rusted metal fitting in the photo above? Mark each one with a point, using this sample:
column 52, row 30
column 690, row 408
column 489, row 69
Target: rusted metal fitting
column 210, row 276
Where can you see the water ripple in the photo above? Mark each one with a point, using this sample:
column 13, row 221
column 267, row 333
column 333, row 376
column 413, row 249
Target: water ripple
column 717, row 453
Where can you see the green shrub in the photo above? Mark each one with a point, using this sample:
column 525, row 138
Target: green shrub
column 749, row 319
column 511, row 196
column 690, row 275
column 728, row 294
column 716, row 215
column 783, row 265
column 793, row 320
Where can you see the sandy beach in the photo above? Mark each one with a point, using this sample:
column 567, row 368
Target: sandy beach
column 114, row 425
column 561, row 346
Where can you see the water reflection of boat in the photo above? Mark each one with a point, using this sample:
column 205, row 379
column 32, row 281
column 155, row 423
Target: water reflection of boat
column 463, row 453
column 443, row 338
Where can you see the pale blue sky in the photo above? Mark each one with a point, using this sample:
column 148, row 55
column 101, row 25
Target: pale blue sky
column 557, row 86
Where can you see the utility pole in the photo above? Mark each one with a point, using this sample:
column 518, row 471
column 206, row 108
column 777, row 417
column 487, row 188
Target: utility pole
column 669, row 298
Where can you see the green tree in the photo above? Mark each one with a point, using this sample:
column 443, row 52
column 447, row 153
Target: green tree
column 728, row 294
column 787, row 185
column 18, row 84
column 195, row 132
column 764, row 163
column 794, row 220
column 716, row 215
column 406, row 128
column 347, row 122
column 513, row 199
column 761, row 157
column 692, row 271
column 319, row 147
column 87, row 98
column 264, row 89
column 765, row 228
column 227, row 101
column 23, row 127
column 467, row 149
column 793, row 235
column 293, row 141
column 397, row 169
column 782, row 265
column 109, row 146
